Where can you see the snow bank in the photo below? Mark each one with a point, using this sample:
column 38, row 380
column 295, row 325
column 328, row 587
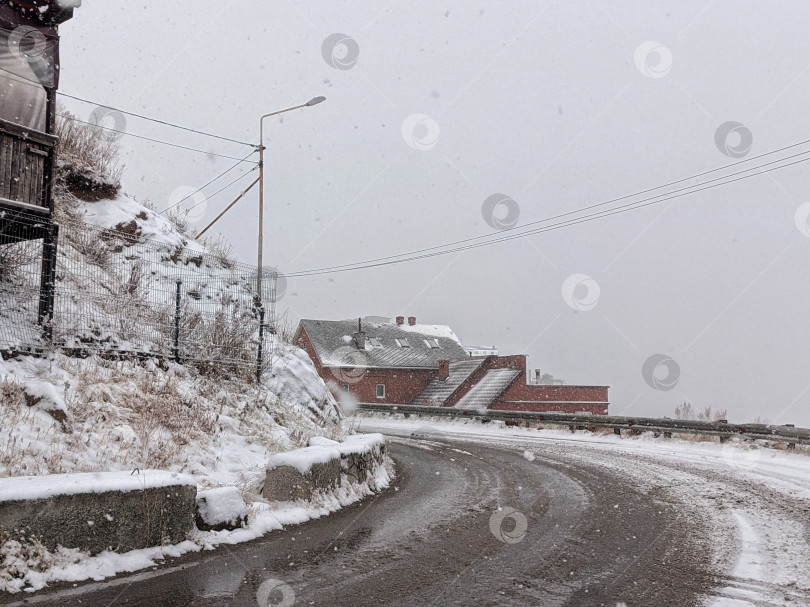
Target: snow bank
column 323, row 450
column 222, row 506
column 125, row 211
column 353, row 444
column 303, row 459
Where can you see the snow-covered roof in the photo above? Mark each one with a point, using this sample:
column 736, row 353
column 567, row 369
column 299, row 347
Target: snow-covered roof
column 434, row 330
column 335, row 345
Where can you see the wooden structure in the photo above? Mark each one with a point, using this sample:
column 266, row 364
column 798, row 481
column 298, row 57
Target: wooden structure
column 29, row 78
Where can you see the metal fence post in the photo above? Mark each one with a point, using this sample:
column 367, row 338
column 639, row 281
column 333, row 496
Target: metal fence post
column 177, row 323
column 48, row 280
column 261, row 344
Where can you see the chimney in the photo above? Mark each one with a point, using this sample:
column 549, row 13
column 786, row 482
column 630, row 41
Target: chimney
column 412, row 320
column 444, row 369
column 360, row 335
column 537, row 376
column 400, row 320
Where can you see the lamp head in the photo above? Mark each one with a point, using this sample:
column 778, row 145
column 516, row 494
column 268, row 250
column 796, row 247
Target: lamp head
column 314, row 101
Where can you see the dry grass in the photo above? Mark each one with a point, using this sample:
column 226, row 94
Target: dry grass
column 686, row 411
column 88, row 153
column 123, row 415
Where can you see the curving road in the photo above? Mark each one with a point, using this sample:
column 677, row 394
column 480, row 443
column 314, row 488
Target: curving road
column 481, row 522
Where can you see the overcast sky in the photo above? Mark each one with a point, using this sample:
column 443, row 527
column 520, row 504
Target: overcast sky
column 557, row 105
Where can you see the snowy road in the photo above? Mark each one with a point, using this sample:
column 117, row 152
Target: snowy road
column 583, row 520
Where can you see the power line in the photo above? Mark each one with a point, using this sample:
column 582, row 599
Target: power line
column 222, row 189
column 174, row 145
column 412, row 255
column 158, row 121
column 625, row 197
column 201, row 188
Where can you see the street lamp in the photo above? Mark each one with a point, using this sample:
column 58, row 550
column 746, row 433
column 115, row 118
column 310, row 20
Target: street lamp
column 311, row 102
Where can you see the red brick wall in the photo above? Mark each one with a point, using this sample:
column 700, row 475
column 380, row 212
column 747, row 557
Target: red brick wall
column 540, row 407
column 519, row 391
column 401, row 385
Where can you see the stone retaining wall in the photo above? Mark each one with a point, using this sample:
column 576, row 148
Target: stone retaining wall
column 298, row 474
column 94, row 520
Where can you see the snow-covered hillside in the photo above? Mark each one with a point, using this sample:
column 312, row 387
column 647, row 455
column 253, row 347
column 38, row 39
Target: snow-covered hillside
column 68, row 414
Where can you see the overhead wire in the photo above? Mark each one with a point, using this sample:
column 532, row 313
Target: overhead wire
column 620, row 198
column 202, row 187
column 488, row 239
column 222, row 189
column 174, row 145
column 156, row 120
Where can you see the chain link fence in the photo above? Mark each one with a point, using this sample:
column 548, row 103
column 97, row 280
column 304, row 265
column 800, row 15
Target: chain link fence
column 131, row 294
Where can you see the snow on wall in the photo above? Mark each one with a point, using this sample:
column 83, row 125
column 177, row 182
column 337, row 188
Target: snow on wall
column 50, row 485
column 323, row 450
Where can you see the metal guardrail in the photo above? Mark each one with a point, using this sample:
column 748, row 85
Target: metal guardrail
column 784, row 433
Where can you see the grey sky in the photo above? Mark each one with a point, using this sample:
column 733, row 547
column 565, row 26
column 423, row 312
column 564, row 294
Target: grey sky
column 542, row 102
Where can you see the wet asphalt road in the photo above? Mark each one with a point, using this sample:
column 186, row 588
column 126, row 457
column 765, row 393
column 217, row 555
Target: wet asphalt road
column 568, row 533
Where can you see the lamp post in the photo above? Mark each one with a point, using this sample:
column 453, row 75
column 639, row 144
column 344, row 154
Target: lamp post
column 311, row 102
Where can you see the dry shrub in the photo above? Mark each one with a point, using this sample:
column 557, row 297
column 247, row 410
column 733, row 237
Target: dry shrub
column 686, row 411
column 88, row 158
column 221, row 250
column 16, row 258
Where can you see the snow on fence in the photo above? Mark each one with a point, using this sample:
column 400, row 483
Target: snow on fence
column 116, row 292
column 786, row 433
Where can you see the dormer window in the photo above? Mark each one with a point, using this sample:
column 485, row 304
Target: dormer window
column 432, row 343
column 374, row 342
column 403, row 343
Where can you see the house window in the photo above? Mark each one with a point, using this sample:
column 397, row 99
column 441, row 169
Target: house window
column 380, row 390
column 374, row 342
column 403, row 343
column 432, row 343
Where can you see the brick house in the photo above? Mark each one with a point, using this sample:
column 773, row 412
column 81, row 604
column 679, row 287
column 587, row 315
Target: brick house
column 414, row 364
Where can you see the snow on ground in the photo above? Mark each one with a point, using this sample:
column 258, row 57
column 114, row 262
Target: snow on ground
column 123, row 210
column 20, row 573
column 753, row 495
column 65, row 415
column 116, row 280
